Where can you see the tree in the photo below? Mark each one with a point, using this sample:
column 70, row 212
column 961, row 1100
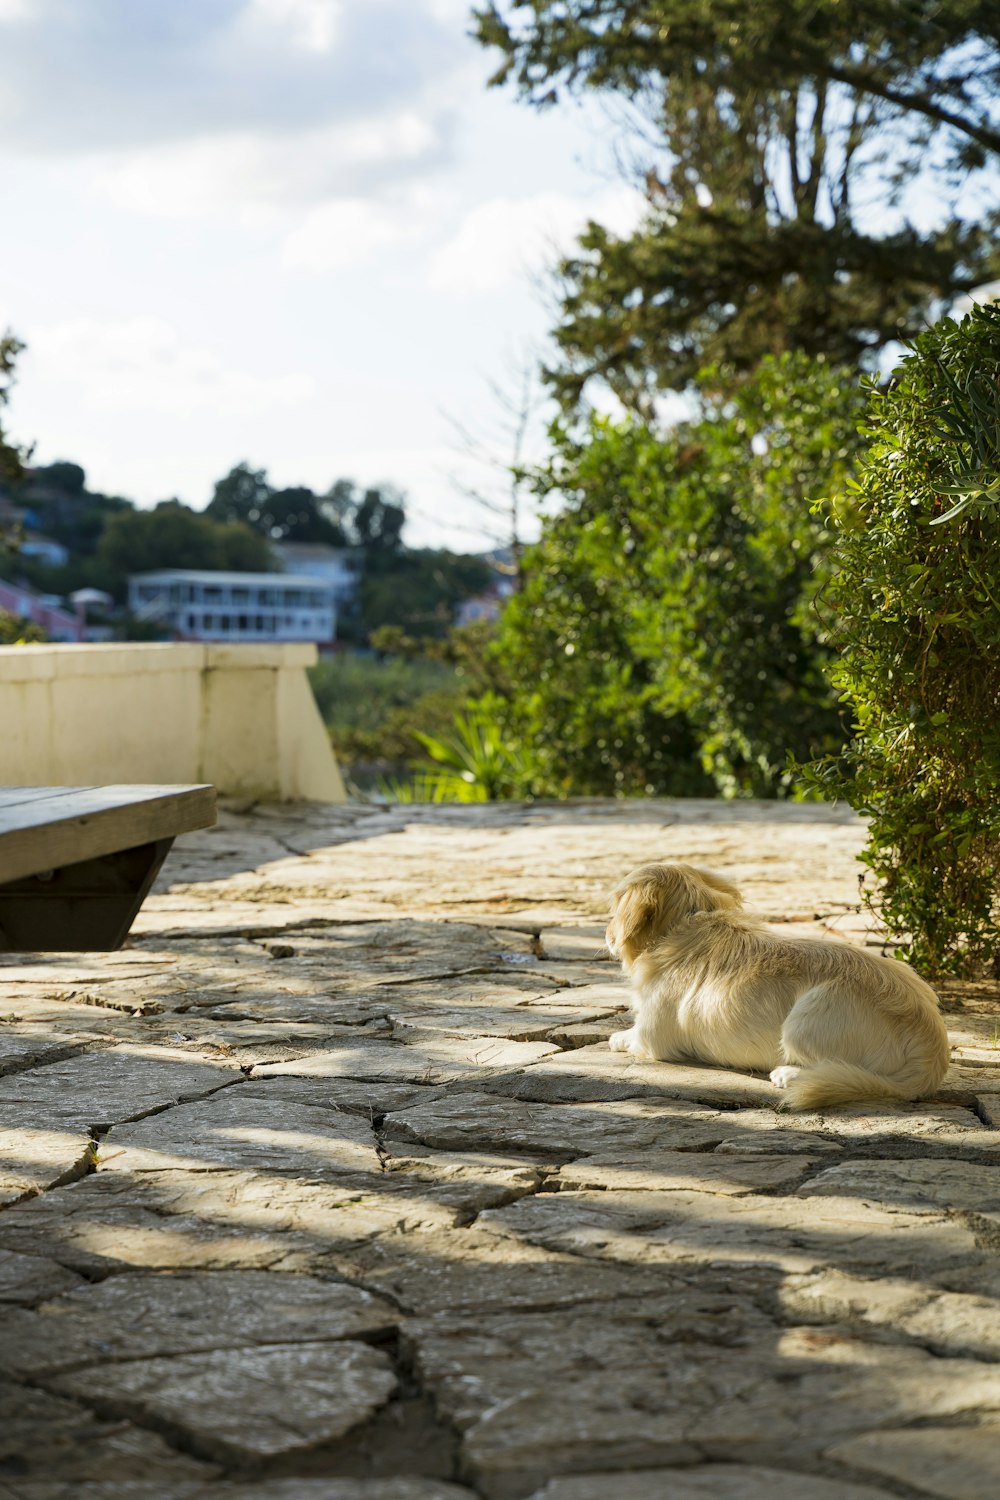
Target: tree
column 419, row 589
column 66, row 510
column 931, row 65
column 173, row 536
column 493, row 456
column 378, row 523
column 571, row 695
column 241, row 550
column 914, row 612
column 242, row 495
column 665, row 639
column 295, row 514
column 62, row 476
column 11, row 457
column 761, row 131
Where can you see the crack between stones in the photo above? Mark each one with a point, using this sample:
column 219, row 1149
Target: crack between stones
column 83, row 1167
column 89, row 1160
column 375, row 1340
column 104, row 1130
column 979, row 1110
column 406, row 1437
column 985, row 1233
column 14, row 1067
column 131, row 1012
column 847, row 1474
column 252, row 933
column 378, row 1131
column 514, row 1195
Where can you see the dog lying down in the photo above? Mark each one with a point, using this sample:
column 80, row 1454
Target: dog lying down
column 831, row 1023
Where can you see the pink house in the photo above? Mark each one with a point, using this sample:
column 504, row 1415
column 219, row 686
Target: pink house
column 41, row 609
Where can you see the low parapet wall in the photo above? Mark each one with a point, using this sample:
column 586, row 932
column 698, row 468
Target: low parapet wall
column 241, row 717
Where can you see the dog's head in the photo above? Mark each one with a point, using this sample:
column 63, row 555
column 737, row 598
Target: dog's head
column 656, row 898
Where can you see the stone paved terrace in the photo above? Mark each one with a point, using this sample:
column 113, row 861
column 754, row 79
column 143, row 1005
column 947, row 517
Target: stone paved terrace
column 328, row 1188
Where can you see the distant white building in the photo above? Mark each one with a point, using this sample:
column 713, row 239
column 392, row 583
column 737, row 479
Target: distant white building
column 336, row 564
column 208, row 606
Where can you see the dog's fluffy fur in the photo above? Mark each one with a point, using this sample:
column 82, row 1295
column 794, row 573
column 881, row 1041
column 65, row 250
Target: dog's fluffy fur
column 830, row 1022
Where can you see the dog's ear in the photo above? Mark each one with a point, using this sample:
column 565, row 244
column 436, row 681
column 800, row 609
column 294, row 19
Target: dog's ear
column 635, row 911
column 645, row 906
column 655, row 898
column 716, row 892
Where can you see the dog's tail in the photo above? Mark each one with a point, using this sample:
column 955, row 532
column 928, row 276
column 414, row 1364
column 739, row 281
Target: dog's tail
column 831, row 1082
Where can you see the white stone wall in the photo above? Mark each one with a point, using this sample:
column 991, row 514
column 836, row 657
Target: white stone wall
column 241, row 717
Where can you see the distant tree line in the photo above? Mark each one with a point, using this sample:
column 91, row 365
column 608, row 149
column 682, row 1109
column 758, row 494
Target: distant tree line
column 414, row 590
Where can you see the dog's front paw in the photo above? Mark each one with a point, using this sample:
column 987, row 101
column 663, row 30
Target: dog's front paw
column 621, row 1041
column 782, row 1077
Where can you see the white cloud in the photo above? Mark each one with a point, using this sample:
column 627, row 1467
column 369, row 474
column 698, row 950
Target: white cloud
column 346, row 232
column 988, row 292
column 450, row 12
column 115, row 74
column 142, row 365
column 313, row 25
column 256, row 174
column 508, row 237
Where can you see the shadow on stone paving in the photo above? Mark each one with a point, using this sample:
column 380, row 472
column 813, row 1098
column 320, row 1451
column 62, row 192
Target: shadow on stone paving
column 383, row 1203
column 548, row 1346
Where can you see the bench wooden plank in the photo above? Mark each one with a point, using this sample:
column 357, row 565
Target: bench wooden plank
column 51, row 827
column 76, row 863
column 18, row 795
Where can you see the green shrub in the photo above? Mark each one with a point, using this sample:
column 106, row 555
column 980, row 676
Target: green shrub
column 17, row 632
column 664, row 641
column 476, row 761
column 914, row 607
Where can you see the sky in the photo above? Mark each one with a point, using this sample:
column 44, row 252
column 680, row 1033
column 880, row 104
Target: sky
column 302, row 234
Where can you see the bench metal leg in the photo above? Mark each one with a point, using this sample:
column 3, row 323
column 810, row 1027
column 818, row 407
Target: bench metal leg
column 85, row 907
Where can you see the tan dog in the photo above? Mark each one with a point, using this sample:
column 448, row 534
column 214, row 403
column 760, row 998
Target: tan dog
column 831, row 1023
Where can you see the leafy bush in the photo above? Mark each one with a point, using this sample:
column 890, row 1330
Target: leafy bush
column 573, row 697
column 17, row 632
column 475, row 762
column 664, row 641
column 915, row 609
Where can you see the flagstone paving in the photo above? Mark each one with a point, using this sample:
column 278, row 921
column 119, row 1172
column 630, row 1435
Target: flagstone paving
column 328, row 1187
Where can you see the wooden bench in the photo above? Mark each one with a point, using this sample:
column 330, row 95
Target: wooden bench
column 76, row 862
